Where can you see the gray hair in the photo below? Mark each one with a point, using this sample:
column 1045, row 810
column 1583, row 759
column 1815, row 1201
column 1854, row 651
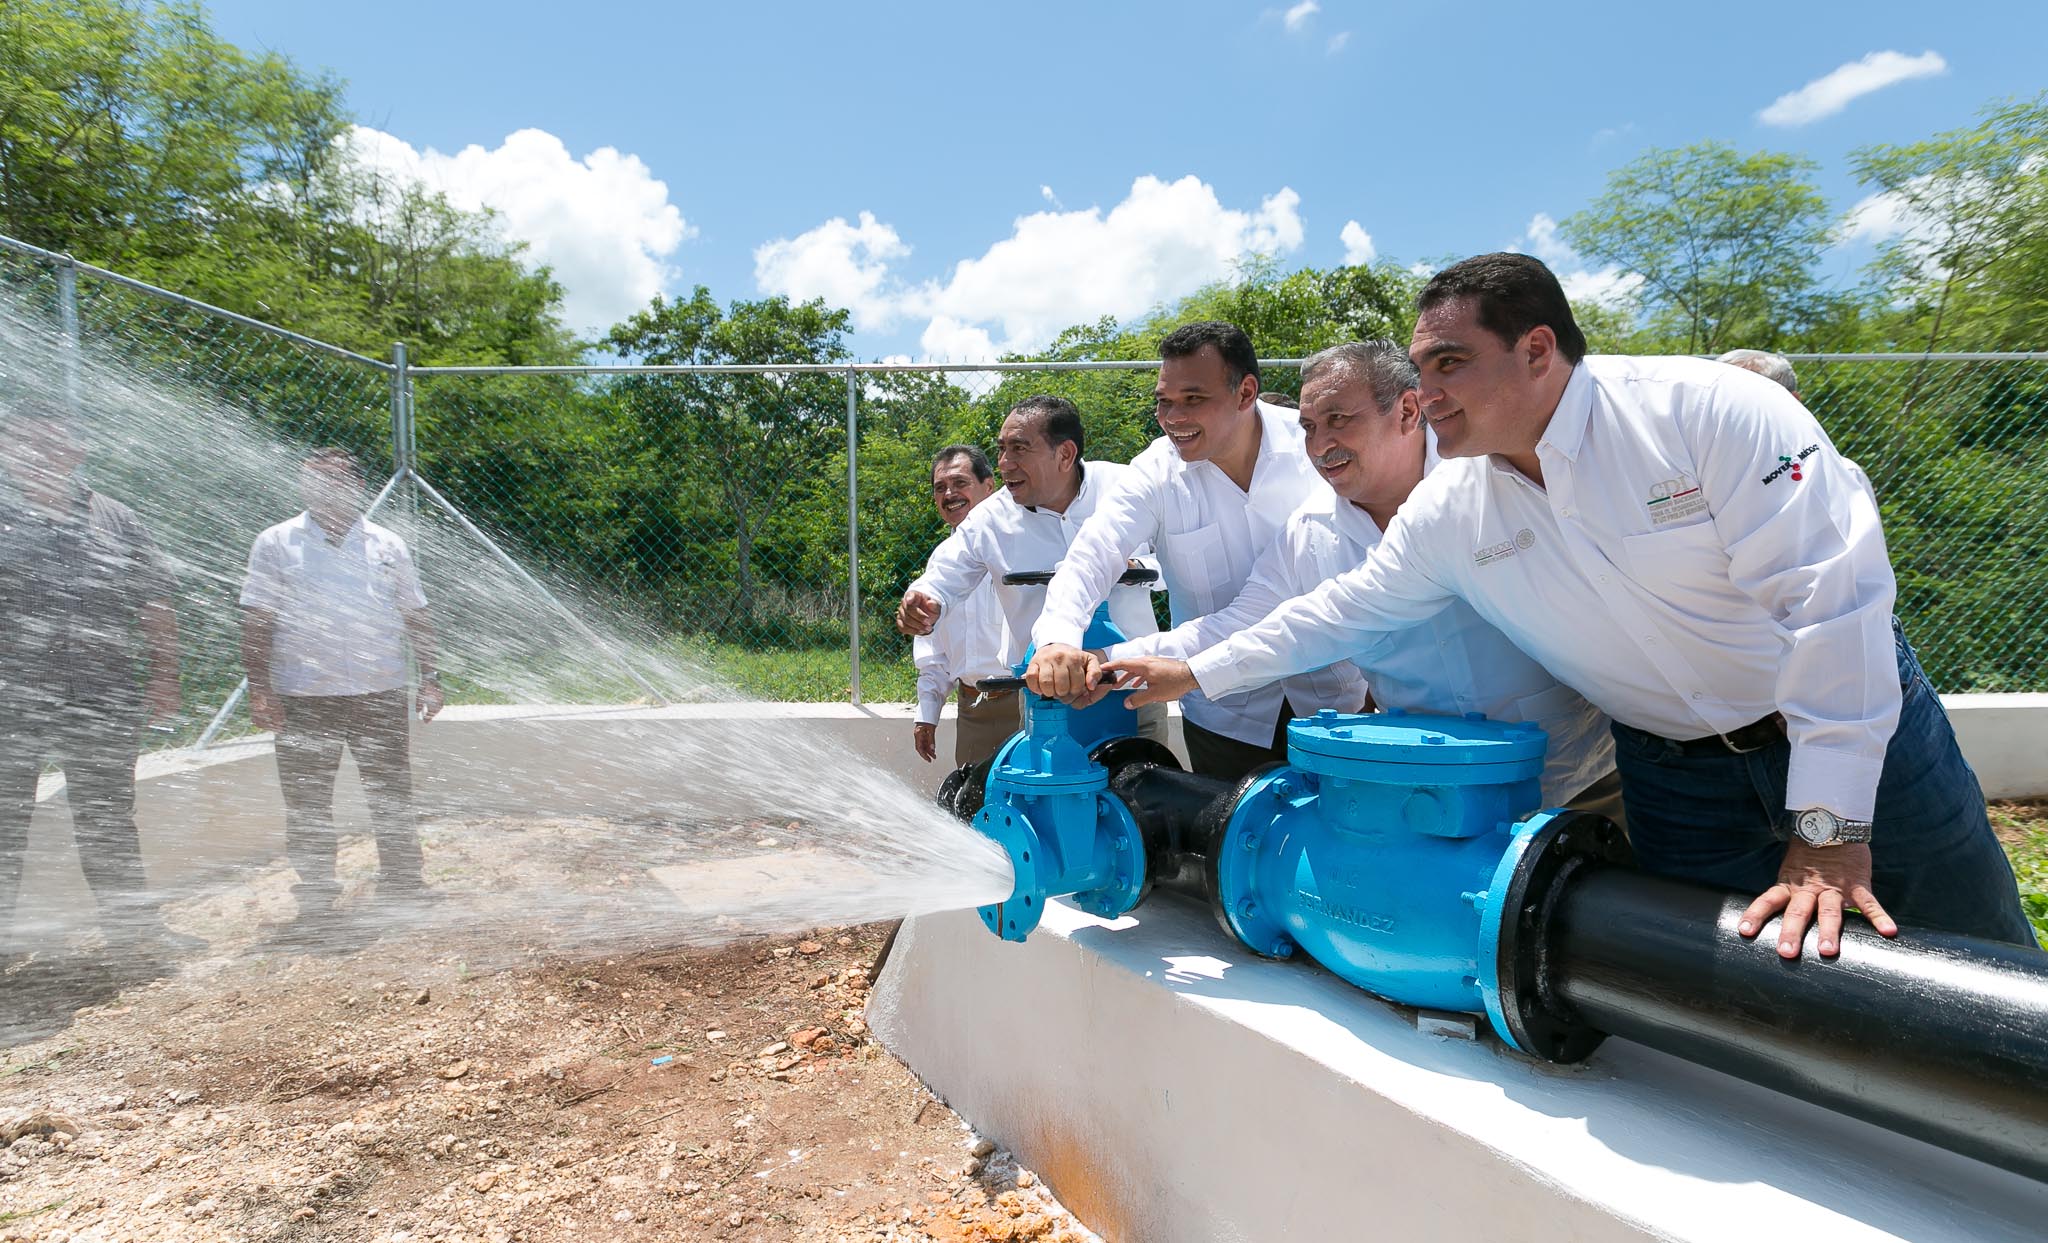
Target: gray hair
column 1380, row 363
column 1766, row 364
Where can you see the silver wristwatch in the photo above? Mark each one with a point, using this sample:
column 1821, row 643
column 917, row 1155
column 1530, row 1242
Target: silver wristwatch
column 1817, row 826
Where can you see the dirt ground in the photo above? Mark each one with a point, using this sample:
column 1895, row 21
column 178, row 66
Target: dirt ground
column 469, row 1080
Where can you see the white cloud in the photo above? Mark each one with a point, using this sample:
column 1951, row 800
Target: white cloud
column 842, row 263
column 1338, row 41
column 1610, row 286
column 1057, row 268
column 603, row 223
column 1358, row 247
column 1297, row 17
column 1829, row 94
column 1882, row 216
column 1045, row 192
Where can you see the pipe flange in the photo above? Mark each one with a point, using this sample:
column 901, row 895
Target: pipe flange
column 1236, row 844
column 1014, row 917
column 1127, row 881
column 1546, row 851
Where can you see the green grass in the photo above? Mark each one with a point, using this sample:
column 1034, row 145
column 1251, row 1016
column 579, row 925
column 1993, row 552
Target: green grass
column 803, row 675
column 2023, row 827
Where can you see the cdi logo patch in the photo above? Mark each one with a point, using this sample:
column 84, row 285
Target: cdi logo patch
column 1793, row 466
column 1673, row 499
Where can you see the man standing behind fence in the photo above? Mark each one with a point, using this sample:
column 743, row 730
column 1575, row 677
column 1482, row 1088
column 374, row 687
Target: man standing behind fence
column 329, row 603
column 83, row 592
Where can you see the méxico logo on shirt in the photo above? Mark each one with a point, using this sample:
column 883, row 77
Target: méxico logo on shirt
column 1790, row 465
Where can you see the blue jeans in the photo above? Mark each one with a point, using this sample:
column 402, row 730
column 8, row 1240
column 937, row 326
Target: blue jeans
column 1720, row 819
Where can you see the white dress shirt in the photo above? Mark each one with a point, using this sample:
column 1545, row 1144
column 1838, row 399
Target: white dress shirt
column 1698, row 557
column 1002, row 537
column 1451, row 664
column 340, row 607
column 967, row 645
column 1208, row 533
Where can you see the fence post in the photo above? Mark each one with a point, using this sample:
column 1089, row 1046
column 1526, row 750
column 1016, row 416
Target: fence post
column 853, row 531
column 401, row 435
column 67, row 326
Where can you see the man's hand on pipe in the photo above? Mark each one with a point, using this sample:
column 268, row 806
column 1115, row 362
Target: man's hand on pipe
column 1061, row 672
column 1817, row 880
column 1150, row 679
column 917, row 614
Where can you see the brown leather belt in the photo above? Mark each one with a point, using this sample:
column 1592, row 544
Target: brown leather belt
column 1754, row 736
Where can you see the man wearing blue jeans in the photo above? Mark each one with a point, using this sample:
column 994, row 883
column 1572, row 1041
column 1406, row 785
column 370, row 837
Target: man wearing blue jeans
column 1679, row 542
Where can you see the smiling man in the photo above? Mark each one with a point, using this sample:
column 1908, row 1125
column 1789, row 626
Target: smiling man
column 1637, row 526
column 968, row 644
column 1047, row 493
column 1210, row 495
column 1364, row 431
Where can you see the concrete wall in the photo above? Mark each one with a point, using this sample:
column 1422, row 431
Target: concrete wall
column 211, row 812
column 1169, row 1086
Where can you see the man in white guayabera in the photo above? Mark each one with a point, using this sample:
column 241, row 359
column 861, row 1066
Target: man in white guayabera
column 1209, row 496
column 1048, row 492
column 1680, row 542
column 85, row 605
column 1363, row 423
column 967, row 644
column 330, row 602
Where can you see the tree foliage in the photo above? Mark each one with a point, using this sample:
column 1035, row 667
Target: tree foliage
column 1725, row 242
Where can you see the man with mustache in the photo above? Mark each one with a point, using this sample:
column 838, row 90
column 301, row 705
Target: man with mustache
column 968, row 644
column 1047, row 493
column 1209, row 496
column 1680, row 542
column 1364, row 432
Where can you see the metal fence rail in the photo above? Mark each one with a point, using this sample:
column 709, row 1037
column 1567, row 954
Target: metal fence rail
column 760, row 521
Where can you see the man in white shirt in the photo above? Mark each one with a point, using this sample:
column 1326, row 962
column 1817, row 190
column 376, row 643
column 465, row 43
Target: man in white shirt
column 330, row 601
column 1209, row 496
column 1680, row 542
column 1048, row 492
column 968, row 643
column 1364, row 432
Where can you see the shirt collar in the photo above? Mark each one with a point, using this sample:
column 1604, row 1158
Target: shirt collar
column 1567, row 429
column 355, row 535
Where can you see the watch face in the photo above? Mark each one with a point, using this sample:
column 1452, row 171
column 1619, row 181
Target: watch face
column 1816, row 826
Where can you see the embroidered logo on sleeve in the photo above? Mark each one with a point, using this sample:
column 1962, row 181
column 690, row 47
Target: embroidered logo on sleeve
column 1793, row 466
column 1674, row 499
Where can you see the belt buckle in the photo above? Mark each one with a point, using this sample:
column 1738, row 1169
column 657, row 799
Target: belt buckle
column 1729, row 742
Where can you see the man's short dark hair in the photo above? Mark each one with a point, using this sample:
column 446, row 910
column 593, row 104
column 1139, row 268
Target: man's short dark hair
column 1056, row 417
column 1513, row 293
column 976, row 459
column 1239, row 358
column 335, row 457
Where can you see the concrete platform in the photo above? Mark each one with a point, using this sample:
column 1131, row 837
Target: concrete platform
column 1171, row 1087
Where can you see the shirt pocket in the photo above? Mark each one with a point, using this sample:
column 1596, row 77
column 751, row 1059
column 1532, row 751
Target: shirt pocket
column 1197, row 571
column 1686, row 568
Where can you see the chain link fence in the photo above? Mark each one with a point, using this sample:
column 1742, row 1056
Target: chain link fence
column 662, row 519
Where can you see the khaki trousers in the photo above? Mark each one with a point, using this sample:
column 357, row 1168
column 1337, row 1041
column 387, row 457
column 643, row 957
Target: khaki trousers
column 985, row 723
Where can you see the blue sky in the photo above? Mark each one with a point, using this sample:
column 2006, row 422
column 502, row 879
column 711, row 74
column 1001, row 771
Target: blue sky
column 972, row 177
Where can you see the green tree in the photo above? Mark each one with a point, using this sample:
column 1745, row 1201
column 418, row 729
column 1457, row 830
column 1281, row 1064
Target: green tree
column 1970, row 264
column 732, row 443
column 1725, row 243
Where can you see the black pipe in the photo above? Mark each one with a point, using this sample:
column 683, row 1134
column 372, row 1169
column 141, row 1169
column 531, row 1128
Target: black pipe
column 1933, row 1035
